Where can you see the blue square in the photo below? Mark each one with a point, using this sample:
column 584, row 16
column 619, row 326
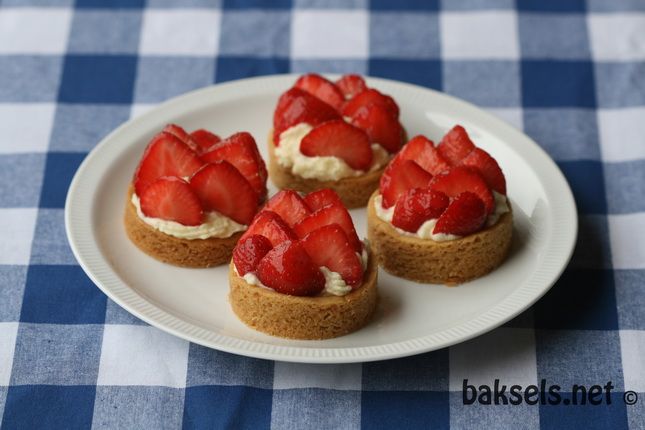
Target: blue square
column 115, row 314
column 239, row 30
column 592, row 244
column 230, row 68
column 486, row 83
column 12, row 289
column 620, row 84
column 105, row 31
column 412, row 35
column 160, row 78
column 51, row 407
column 566, row 37
column 582, row 299
column 340, row 66
column 524, row 320
column 113, row 4
column 59, row 171
column 615, row 6
column 430, row 5
column 587, row 183
column 78, row 128
column 50, row 244
column 405, row 409
column 549, row 83
column 21, row 177
column 426, row 73
column 624, row 182
column 61, row 295
column 630, row 298
column 470, row 5
column 257, row 4
column 587, row 416
column 552, row 6
column 478, row 416
column 227, row 407
column 302, row 407
column 424, row 372
column 98, row 79
column 26, row 78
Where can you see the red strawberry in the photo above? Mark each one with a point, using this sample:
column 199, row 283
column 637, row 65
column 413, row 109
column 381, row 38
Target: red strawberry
column 461, row 178
column 465, row 215
column 400, row 177
column 321, row 198
column 172, row 199
column 333, row 214
column 416, row 206
column 488, row 168
column 380, row 125
column 350, row 85
column 455, row 145
column 339, row 139
column 367, row 97
column 165, row 155
column 328, row 246
column 182, row 135
column 221, row 187
column 296, row 106
column 270, row 225
column 321, row 88
column 248, row 253
column 422, row 151
column 204, row 139
column 288, row 269
column 289, row 205
column 241, row 151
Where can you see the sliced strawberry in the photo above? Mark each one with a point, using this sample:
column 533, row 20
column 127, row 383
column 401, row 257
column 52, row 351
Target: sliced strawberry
column 455, row 145
column 270, row 225
column 489, row 169
column 222, row 188
column 288, row 269
column 380, row 125
column 165, row 155
column 422, row 151
column 416, row 206
column 339, row 139
column 368, row 97
column 465, row 215
column 400, row 177
column 171, row 199
column 248, row 253
column 204, row 139
column 177, row 131
column 296, row 106
column 289, row 205
column 333, row 214
column 321, row 88
column 350, row 85
column 321, row 198
column 462, row 178
column 329, row 246
column 242, row 152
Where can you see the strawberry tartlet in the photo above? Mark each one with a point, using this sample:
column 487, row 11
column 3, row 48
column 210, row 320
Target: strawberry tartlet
column 192, row 196
column 301, row 272
column 441, row 214
column 333, row 135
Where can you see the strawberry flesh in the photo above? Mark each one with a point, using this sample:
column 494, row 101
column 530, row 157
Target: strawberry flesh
column 172, row 199
column 248, row 253
column 296, row 106
column 380, row 125
column 270, row 225
column 368, row 97
column 204, row 139
column 321, row 198
column 416, row 206
column 339, row 139
column 332, row 214
column 455, row 145
column 400, row 177
column 350, row 85
column 321, row 88
column 462, row 178
column 289, row 205
column 487, row 167
column 422, row 151
column 465, row 215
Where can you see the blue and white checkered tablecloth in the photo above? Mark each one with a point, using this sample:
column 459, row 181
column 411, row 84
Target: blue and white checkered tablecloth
column 570, row 73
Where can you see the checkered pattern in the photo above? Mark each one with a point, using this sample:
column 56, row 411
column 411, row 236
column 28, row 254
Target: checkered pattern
column 570, row 73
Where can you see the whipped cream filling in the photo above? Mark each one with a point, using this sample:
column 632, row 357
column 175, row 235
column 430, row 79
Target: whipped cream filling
column 322, row 168
column 426, row 230
column 214, row 225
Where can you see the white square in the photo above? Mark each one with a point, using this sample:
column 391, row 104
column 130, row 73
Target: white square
column 141, row 355
column 139, row 109
column 632, row 348
column 507, row 354
column 622, row 133
column 330, row 34
column 331, row 376
column 17, row 227
column 191, row 32
column 34, row 31
column 627, row 240
column 512, row 116
column 478, row 35
column 25, row 127
column 8, row 333
column 617, row 36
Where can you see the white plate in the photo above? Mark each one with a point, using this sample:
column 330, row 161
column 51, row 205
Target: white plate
column 412, row 318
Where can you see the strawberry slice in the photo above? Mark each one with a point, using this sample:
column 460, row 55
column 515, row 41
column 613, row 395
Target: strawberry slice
column 329, row 246
column 421, row 150
column 380, row 125
column 462, row 178
column 165, row 155
column 321, row 88
column 487, row 167
column 455, row 145
column 321, row 198
column 222, row 188
column 400, row 177
column 368, row 97
column 182, row 135
column 204, row 139
column 333, row 214
column 339, row 139
column 350, row 85
column 288, row 269
column 248, row 253
column 171, row 199
column 242, row 152
column 289, row 205
column 465, row 215
column 270, row 225
column 416, row 206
